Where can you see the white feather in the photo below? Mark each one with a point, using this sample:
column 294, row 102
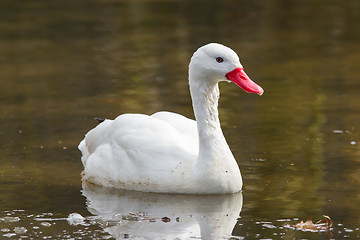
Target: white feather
column 167, row 152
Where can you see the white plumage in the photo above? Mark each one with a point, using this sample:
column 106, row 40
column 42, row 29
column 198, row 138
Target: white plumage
column 167, row 152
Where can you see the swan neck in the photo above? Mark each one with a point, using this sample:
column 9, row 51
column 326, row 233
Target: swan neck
column 215, row 166
column 205, row 96
column 205, row 105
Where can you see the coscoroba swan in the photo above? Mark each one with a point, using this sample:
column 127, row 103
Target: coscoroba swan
column 167, row 152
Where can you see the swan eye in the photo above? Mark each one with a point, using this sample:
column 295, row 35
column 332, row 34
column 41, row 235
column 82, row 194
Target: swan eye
column 219, row 59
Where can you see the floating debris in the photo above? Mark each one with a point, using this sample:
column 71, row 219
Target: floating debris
column 165, row 219
column 140, row 216
column 10, row 219
column 258, row 159
column 324, row 224
column 267, row 225
column 338, row 131
column 9, row 235
column 20, row 230
column 284, row 220
column 45, row 224
column 75, row 219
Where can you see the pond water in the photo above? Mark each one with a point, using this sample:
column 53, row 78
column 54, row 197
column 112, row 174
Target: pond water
column 62, row 63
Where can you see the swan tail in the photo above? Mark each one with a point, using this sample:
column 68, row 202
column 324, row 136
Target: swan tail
column 99, row 120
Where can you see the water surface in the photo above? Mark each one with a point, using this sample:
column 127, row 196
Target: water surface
column 62, row 63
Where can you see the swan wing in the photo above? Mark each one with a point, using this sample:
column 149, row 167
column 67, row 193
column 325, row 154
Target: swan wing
column 136, row 150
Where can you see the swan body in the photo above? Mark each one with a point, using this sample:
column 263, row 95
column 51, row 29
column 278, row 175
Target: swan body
column 167, row 152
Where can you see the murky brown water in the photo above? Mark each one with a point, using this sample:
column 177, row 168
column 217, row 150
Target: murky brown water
column 298, row 146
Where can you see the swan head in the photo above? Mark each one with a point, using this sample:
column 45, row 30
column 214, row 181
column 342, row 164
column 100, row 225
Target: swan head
column 214, row 62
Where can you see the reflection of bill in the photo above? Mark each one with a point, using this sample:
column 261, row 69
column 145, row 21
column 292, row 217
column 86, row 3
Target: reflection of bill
column 163, row 216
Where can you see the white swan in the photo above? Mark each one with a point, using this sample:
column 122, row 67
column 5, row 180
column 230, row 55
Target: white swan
column 167, row 152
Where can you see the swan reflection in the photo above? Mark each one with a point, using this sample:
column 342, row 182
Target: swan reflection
column 137, row 215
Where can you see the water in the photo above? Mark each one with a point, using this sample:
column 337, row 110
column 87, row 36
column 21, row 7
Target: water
column 298, row 146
